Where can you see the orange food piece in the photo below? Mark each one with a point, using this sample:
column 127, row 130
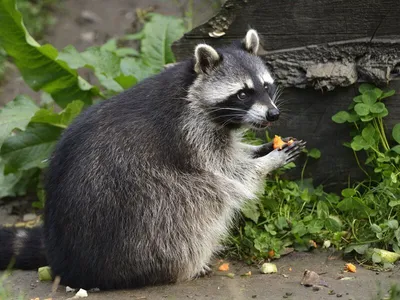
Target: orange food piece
column 350, row 268
column 279, row 143
column 224, row 267
column 313, row 243
column 271, row 253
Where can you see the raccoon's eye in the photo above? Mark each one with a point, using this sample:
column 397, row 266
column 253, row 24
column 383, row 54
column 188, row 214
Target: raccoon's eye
column 266, row 86
column 241, row 95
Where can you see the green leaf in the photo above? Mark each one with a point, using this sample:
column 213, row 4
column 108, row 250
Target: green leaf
column 376, row 258
column 299, row 229
column 396, row 149
column 375, row 228
column 38, row 64
column 136, row 68
column 159, row 34
column 314, row 153
column 322, row 210
column 7, row 182
column 251, row 211
column 63, row 119
column 315, row 226
column 348, row 192
column 358, row 99
column 123, row 52
column 388, row 94
column 361, row 249
column 72, row 57
column 377, row 108
column 361, row 109
column 359, row 143
column 30, row 148
column 354, row 204
column 396, row 133
column 382, row 114
column 364, row 87
column 393, row 224
column 340, row 117
column 16, row 114
column 369, row 98
column 103, row 62
column 333, row 223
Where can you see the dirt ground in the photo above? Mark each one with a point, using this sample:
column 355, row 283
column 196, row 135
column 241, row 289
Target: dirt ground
column 363, row 285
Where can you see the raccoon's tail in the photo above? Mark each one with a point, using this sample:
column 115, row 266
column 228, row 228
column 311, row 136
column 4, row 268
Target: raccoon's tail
column 22, row 248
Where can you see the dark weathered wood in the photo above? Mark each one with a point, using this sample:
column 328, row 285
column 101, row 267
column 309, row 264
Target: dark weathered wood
column 325, row 44
column 297, row 23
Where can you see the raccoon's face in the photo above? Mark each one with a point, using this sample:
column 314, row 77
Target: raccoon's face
column 234, row 86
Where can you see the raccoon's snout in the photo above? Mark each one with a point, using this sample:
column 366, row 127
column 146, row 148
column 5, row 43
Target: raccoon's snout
column 273, row 114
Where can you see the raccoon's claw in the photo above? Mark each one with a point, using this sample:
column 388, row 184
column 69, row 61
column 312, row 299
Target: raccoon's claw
column 206, row 271
column 294, row 150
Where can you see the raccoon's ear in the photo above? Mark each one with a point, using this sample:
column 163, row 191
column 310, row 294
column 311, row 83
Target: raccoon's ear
column 251, row 42
column 207, row 58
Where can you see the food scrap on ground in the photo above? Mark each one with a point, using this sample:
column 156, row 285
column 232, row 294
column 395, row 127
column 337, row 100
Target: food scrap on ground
column 247, row 274
column 224, row 267
column 350, row 268
column 268, row 268
column 45, row 274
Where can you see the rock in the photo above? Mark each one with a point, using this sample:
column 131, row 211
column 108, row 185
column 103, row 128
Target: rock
column 310, row 278
column 88, row 36
column 88, row 17
column 29, row 217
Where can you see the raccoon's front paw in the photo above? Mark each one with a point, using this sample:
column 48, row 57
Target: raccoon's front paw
column 205, row 271
column 292, row 151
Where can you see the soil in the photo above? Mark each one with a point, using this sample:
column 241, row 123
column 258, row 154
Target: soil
column 112, row 18
column 363, row 285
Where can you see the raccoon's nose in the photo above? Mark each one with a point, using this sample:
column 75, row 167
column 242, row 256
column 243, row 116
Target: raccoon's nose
column 272, row 114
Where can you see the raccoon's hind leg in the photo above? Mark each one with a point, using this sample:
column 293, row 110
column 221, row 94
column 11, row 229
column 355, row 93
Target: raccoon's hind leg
column 206, row 271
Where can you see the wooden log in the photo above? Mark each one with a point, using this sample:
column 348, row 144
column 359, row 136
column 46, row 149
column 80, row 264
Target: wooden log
column 323, row 44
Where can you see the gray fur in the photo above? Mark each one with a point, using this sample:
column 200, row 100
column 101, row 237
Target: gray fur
column 142, row 187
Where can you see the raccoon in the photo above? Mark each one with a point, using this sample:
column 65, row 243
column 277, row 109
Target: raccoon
column 141, row 187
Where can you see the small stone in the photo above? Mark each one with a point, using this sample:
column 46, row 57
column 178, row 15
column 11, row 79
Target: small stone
column 331, row 292
column 339, row 295
column 29, row 217
column 254, row 296
column 289, row 294
column 88, row 16
column 310, row 278
column 81, row 294
column 88, row 36
column 316, row 288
